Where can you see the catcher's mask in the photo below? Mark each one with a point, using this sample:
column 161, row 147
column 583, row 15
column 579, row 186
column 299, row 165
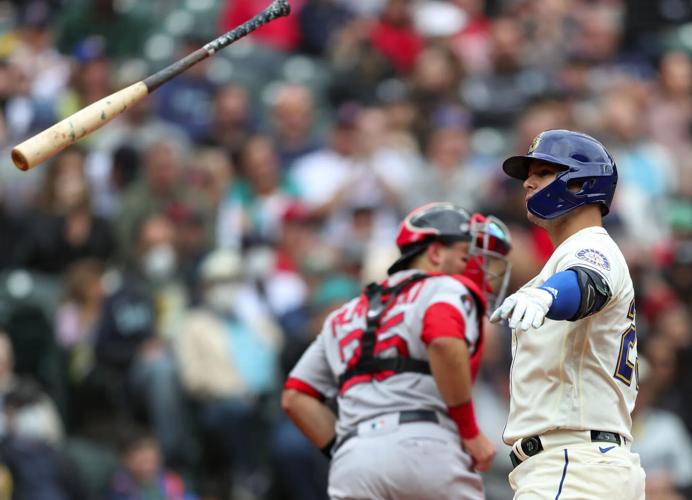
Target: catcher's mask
column 488, row 265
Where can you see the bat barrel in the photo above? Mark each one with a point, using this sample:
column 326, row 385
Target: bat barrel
column 56, row 138
column 42, row 146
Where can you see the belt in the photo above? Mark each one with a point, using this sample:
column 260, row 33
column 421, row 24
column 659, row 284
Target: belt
column 405, row 417
column 533, row 445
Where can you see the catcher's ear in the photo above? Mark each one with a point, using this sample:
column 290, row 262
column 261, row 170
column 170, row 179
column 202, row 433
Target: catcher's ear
column 434, row 253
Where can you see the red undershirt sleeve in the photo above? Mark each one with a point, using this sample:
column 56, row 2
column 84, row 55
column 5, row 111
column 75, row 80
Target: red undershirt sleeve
column 442, row 320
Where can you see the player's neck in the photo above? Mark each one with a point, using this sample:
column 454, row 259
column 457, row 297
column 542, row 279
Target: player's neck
column 423, row 265
column 564, row 227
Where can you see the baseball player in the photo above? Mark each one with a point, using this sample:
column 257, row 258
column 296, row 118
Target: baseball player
column 400, row 360
column 574, row 342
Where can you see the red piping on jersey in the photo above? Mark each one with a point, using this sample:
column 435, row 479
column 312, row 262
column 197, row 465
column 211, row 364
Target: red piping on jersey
column 303, row 387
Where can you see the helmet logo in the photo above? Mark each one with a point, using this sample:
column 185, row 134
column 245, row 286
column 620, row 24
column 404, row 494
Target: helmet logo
column 534, row 144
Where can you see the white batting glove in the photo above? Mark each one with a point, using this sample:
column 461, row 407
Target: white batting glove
column 525, row 309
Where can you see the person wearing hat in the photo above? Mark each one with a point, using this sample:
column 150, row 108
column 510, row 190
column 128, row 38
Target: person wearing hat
column 400, row 359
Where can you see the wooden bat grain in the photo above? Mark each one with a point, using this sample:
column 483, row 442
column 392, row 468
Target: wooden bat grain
column 68, row 131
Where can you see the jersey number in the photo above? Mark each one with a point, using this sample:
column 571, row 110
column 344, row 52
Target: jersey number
column 628, row 364
column 350, row 348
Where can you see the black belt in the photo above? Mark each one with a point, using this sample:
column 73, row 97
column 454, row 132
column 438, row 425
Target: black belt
column 533, row 446
column 405, row 417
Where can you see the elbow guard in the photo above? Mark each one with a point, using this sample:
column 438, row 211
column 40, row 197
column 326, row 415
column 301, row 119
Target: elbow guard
column 595, row 292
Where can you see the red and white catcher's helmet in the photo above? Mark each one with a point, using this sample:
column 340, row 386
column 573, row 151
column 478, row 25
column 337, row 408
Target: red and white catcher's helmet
column 438, row 221
column 446, row 222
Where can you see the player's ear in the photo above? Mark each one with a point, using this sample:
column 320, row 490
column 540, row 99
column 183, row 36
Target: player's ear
column 434, row 253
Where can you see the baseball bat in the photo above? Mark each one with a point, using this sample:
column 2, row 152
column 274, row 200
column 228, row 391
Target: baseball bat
column 54, row 139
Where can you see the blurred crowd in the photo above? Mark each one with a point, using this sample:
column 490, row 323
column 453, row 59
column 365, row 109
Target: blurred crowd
column 159, row 278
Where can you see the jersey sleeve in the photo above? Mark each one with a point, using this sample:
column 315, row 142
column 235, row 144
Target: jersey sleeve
column 449, row 310
column 312, row 375
column 594, row 255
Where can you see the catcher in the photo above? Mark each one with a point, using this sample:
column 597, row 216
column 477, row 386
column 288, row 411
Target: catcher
column 400, row 360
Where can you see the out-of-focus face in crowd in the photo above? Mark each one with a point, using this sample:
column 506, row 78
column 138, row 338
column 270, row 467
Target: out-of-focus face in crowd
column 293, row 112
column 163, row 166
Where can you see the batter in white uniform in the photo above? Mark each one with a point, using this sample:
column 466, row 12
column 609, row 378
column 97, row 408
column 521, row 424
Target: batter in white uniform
column 400, row 360
column 574, row 340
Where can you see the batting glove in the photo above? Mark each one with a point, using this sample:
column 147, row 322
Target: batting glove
column 525, row 309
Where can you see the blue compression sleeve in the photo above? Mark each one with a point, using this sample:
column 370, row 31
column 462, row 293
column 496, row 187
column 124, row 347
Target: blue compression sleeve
column 566, row 293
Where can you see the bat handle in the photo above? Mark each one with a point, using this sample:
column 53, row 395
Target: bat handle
column 42, row 146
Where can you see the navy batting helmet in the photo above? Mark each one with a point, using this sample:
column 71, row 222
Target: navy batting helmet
column 585, row 162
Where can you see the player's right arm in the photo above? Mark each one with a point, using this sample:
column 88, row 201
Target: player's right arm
column 444, row 331
column 567, row 295
column 586, row 276
column 451, row 368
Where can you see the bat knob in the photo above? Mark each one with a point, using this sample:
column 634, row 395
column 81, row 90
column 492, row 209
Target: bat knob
column 283, row 8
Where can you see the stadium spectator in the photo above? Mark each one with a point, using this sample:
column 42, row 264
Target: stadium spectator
column 143, row 473
column 228, row 352
column 140, row 318
column 251, row 212
column 293, row 120
column 63, row 228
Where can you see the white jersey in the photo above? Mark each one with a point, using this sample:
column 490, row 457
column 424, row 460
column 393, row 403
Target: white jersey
column 580, row 374
column 436, row 306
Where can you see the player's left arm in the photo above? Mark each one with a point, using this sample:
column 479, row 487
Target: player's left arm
column 572, row 294
column 314, row 419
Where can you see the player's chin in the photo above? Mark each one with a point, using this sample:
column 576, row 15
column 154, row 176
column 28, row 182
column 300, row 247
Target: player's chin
column 534, row 219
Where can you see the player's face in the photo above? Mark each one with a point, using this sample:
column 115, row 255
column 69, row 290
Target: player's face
column 540, row 175
column 453, row 258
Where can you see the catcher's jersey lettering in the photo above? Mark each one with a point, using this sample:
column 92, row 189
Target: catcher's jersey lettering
column 400, row 334
column 350, row 349
column 349, row 314
column 566, row 372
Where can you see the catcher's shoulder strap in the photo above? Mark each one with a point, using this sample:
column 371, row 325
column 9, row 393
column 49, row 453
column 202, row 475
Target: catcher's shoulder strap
column 379, row 299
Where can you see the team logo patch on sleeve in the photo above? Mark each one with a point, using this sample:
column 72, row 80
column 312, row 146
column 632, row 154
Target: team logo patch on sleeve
column 467, row 302
column 594, row 257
